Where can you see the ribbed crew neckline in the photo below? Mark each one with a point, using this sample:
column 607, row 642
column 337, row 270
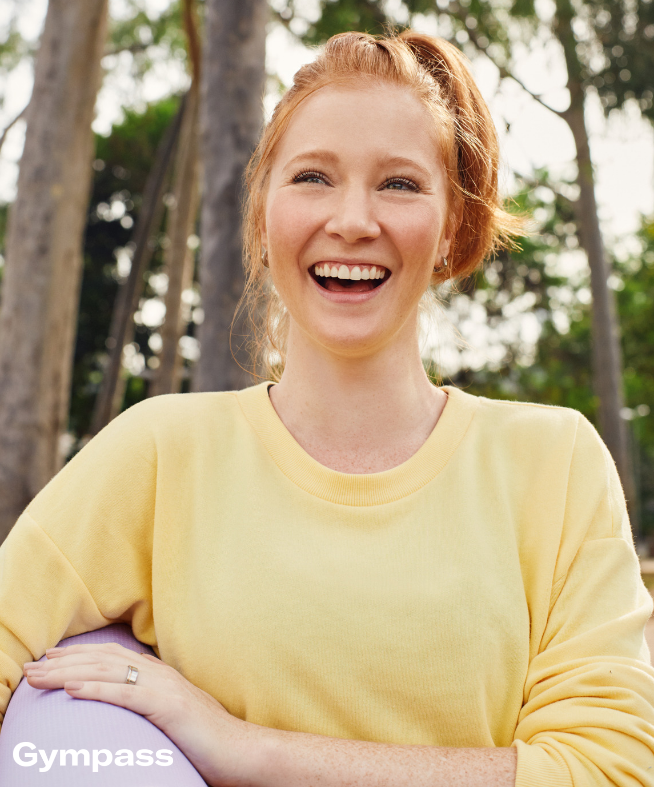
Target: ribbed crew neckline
column 358, row 489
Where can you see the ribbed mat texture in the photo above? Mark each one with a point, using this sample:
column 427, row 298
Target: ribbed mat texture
column 53, row 720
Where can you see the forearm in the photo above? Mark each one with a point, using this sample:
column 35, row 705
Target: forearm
column 289, row 758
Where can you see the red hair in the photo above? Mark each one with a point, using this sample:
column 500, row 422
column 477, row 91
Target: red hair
column 438, row 74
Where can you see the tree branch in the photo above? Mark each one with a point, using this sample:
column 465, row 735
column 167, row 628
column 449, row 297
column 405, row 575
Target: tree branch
column 533, row 184
column 460, row 13
column 11, row 123
column 133, row 48
column 193, row 38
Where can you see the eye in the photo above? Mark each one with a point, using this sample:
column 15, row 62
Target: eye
column 309, row 176
column 400, row 184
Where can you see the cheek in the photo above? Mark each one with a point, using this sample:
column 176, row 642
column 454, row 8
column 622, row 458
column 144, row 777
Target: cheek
column 290, row 223
column 416, row 233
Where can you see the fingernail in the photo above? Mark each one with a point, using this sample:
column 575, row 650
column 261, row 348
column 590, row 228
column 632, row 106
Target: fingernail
column 54, row 648
column 73, row 685
column 32, row 673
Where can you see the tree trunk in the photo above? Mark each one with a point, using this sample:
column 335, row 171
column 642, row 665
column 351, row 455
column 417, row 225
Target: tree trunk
column 44, row 252
column 179, row 258
column 606, row 341
column 181, row 218
column 231, row 120
column 110, row 396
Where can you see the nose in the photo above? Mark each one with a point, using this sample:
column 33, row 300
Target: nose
column 353, row 217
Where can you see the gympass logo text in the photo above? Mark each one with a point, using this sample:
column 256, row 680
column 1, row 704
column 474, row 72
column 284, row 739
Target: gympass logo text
column 24, row 756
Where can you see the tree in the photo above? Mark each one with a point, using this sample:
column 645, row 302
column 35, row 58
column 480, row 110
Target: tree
column 44, row 252
column 231, row 120
column 110, row 396
column 124, row 162
column 181, row 221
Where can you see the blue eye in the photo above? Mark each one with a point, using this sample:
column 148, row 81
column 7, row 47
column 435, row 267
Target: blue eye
column 309, row 177
column 400, row 184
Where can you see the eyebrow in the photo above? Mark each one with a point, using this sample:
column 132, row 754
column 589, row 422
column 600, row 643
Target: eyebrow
column 330, row 156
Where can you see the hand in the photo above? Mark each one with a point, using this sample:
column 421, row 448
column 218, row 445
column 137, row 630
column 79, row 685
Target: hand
column 210, row 737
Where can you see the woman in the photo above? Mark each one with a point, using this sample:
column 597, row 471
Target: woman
column 353, row 577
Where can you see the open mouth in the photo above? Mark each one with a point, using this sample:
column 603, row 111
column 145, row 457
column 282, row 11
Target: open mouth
column 341, row 278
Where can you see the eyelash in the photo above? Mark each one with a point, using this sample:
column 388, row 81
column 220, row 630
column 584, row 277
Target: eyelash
column 413, row 186
column 301, row 176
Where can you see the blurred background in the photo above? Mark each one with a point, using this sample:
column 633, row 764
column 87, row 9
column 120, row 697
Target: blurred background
column 125, row 126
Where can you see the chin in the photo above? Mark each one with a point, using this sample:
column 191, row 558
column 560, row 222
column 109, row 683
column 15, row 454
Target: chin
column 351, row 344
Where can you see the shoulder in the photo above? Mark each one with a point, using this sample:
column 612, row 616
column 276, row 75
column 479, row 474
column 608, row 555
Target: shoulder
column 557, row 451
column 541, row 442
column 562, row 429
column 177, row 422
column 171, row 406
column 516, row 423
column 167, row 432
column 166, row 410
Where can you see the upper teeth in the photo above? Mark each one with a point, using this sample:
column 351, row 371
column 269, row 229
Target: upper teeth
column 343, row 272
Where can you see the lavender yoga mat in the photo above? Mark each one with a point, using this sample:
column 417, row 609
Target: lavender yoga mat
column 53, row 720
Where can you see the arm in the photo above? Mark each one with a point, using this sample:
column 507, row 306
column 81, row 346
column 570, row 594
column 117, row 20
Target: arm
column 289, row 758
column 587, row 715
column 61, row 562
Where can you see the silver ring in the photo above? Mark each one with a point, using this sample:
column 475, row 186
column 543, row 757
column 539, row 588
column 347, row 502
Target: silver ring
column 132, row 675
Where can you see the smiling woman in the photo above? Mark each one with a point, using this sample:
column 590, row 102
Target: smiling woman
column 351, row 576
column 394, row 134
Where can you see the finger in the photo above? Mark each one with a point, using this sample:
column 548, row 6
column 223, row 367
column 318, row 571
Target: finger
column 57, row 677
column 141, row 700
column 113, row 648
column 152, row 658
column 93, row 653
column 79, row 658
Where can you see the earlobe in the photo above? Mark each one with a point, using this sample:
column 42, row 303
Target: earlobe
column 450, row 231
column 262, row 232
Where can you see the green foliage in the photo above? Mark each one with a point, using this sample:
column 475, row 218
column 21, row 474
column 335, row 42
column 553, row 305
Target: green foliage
column 14, row 49
column 142, row 35
column 613, row 39
column 523, row 8
column 624, row 32
column 635, row 304
column 611, row 49
column 121, row 168
column 341, row 15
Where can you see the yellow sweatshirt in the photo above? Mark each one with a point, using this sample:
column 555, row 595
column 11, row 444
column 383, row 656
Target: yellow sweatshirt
column 484, row 593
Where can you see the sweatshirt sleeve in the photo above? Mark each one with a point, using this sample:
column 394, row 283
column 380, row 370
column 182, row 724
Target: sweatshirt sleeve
column 79, row 557
column 587, row 716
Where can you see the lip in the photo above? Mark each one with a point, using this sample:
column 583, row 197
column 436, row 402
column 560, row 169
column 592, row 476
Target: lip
column 347, row 298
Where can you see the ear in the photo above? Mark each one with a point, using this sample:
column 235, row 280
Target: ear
column 451, row 229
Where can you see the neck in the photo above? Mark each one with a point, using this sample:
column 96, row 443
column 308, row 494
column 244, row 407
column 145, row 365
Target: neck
column 357, row 415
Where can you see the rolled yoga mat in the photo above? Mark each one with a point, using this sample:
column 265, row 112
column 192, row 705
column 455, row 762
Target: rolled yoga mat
column 45, row 721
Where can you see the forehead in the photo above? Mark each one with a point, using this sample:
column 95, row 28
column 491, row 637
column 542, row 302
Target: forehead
column 359, row 121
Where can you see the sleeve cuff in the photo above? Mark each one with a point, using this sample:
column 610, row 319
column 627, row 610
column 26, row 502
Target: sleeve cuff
column 538, row 765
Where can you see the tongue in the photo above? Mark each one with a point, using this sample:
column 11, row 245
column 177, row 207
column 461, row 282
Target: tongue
column 348, row 285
